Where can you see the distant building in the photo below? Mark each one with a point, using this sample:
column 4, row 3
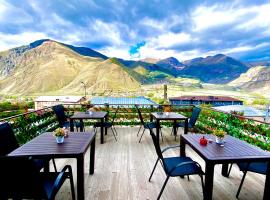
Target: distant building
column 124, row 101
column 248, row 111
column 46, row 101
column 213, row 100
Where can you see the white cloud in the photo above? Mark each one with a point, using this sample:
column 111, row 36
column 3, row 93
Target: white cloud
column 8, row 41
column 107, row 32
column 119, row 52
column 218, row 15
column 170, row 39
column 162, row 25
column 10, row 14
column 261, row 17
column 205, row 17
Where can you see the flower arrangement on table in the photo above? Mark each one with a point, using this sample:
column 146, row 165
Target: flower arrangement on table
column 220, row 134
column 60, row 134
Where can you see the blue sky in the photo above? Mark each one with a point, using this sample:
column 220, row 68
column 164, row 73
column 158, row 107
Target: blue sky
column 136, row 29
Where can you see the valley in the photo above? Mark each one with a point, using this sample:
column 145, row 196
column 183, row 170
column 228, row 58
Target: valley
column 47, row 67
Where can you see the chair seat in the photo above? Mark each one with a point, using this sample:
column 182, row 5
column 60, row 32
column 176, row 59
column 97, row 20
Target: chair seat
column 181, row 124
column 150, row 125
column 258, row 167
column 189, row 169
column 104, row 124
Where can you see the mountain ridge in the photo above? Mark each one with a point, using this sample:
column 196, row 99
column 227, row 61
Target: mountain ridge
column 40, row 59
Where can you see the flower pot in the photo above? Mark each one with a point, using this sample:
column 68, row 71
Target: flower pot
column 60, row 140
column 220, row 140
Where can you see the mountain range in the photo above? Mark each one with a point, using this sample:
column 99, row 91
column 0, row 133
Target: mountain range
column 47, row 66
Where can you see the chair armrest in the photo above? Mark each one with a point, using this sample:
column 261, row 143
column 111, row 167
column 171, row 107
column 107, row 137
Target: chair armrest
column 170, row 147
column 57, row 183
column 183, row 164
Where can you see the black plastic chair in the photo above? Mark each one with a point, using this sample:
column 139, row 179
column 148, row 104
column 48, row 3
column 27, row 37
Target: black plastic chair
column 21, row 179
column 108, row 124
column 63, row 119
column 192, row 121
column 9, row 143
column 175, row 166
column 148, row 125
column 256, row 167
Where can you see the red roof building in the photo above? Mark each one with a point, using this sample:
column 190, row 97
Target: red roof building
column 213, row 100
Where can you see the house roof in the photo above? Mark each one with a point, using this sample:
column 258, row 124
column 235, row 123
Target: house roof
column 67, row 99
column 122, row 101
column 247, row 110
column 205, row 98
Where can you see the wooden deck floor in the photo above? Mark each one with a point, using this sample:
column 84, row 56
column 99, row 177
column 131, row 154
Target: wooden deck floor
column 122, row 169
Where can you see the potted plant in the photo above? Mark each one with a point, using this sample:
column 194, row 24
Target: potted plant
column 59, row 134
column 220, row 134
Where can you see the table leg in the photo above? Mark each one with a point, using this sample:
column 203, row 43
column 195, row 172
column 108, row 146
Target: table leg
column 71, row 124
column 157, row 131
column 80, row 177
column 266, row 194
column 209, row 178
column 174, row 128
column 102, row 132
column 182, row 147
column 186, row 126
column 81, row 125
column 106, row 119
column 46, row 165
column 224, row 170
column 92, row 156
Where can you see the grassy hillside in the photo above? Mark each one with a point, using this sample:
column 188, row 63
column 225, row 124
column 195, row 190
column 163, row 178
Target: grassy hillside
column 256, row 79
column 55, row 68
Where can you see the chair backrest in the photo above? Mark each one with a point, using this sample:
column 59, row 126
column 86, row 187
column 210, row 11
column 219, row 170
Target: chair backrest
column 8, row 141
column 140, row 114
column 156, row 144
column 115, row 113
column 60, row 114
column 194, row 116
column 20, row 178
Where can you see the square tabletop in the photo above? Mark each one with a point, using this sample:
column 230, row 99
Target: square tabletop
column 89, row 115
column 233, row 149
column 45, row 145
column 169, row 116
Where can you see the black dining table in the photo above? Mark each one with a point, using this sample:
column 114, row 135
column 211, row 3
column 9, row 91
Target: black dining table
column 232, row 151
column 102, row 116
column 169, row 116
column 75, row 146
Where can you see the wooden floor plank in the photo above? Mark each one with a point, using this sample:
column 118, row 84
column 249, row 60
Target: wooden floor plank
column 123, row 167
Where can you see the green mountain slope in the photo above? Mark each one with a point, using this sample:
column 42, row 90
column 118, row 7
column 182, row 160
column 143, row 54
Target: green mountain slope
column 53, row 67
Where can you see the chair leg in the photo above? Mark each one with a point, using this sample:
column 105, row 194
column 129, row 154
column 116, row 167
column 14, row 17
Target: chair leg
column 240, row 186
column 176, row 133
column 139, row 130
column 72, row 186
column 54, row 165
column 115, row 131
column 161, row 134
column 142, row 135
column 188, row 177
column 230, row 170
column 202, row 183
column 161, row 191
column 113, row 134
column 153, row 170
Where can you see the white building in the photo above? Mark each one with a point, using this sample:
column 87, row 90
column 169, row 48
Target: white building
column 248, row 111
column 46, row 101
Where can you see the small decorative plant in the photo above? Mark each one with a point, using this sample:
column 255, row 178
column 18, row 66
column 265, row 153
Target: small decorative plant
column 219, row 133
column 59, row 132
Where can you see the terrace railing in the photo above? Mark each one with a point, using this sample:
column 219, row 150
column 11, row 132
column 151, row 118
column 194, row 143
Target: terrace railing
column 31, row 124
